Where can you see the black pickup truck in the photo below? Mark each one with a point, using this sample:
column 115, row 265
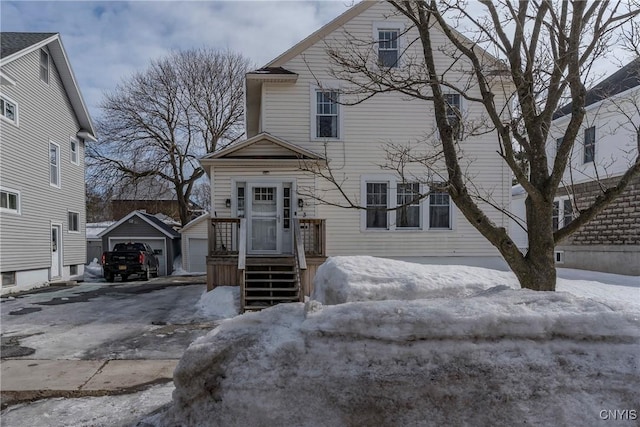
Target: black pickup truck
column 129, row 258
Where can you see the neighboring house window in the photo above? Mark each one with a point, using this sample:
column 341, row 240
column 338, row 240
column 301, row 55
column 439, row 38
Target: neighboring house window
column 74, row 222
column 562, row 213
column 8, row 110
column 377, row 202
column 388, row 49
column 74, row 151
column 54, row 164
column 589, row 144
column 44, row 66
column 454, row 112
column 327, row 118
column 439, row 210
column 408, row 198
column 10, row 201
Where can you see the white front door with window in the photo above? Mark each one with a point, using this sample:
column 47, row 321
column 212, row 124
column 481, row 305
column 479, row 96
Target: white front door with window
column 56, row 250
column 264, row 218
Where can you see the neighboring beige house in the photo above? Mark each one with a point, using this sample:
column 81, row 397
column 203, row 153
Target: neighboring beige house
column 264, row 202
column 606, row 147
column 44, row 124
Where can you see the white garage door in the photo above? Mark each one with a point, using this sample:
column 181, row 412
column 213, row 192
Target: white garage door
column 197, row 255
column 156, row 245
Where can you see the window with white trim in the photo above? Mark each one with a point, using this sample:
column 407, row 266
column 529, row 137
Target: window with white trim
column 74, row 222
column 54, row 164
column 8, row 109
column 240, row 199
column 327, row 114
column 377, row 204
column 589, row 144
column 439, row 210
column 44, row 66
column 73, row 145
column 388, row 47
column 454, row 113
column 9, row 200
column 563, row 213
column 408, row 200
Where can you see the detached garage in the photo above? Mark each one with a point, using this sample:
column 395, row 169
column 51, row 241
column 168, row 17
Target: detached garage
column 194, row 245
column 144, row 228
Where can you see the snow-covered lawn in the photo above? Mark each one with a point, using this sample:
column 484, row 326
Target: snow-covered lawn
column 385, row 342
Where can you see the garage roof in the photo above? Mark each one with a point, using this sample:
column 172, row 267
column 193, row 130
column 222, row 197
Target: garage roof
column 151, row 220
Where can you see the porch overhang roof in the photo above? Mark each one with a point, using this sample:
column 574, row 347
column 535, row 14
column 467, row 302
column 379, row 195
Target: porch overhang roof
column 288, row 153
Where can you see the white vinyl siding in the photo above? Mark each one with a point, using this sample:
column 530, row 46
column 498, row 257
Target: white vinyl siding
column 45, row 114
column 364, row 130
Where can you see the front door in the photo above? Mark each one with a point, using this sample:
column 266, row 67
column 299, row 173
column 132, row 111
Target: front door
column 56, row 246
column 264, row 221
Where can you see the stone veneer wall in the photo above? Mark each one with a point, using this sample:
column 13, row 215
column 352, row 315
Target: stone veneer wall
column 611, row 241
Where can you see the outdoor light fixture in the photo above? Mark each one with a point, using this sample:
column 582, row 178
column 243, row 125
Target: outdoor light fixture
column 227, row 203
column 300, row 203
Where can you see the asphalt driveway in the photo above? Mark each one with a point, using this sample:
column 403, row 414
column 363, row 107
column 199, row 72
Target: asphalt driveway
column 157, row 319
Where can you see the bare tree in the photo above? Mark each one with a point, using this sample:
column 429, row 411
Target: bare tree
column 158, row 122
column 547, row 50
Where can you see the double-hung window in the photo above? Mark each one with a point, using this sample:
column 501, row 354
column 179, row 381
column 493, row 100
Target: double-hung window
column 589, row 144
column 377, row 203
column 454, row 113
column 439, row 210
column 327, row 114
column 408, row 212
column 562, row 213
column 54, row 164
column 9, row 200
column 44, row 66
column 388, row 49
column 8, row 110
column 73, row 145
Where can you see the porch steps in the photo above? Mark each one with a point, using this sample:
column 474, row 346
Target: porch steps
column 269, row 281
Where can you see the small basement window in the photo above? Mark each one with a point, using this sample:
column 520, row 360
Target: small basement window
column 559, row 256
column 8, row 278
column 73, row 270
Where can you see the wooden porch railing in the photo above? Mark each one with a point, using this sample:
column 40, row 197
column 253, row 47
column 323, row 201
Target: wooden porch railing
column 224, row 236
column 312, row 232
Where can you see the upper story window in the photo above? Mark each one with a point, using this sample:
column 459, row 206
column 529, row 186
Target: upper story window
column 73, row 145
column 388, row 49
column 326, row 114
column 74, row 222
column 454, row 112
column 439, row 210
column 44, row 66
column 408, row 215
column 54, row 164
column 589, row 144
column 9, row 200
column 8, row 109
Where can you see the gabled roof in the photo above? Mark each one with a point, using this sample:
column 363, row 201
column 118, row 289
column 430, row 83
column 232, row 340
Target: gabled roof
column 622, row 80
column 293, row 151
column 16, row 45
column 149, row 219
column 204, row 217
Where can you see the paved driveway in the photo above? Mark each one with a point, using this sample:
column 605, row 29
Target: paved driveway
column 130, row 320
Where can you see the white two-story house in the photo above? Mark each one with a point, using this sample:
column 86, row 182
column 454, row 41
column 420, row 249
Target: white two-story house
column 44, row 124
column 270, row 195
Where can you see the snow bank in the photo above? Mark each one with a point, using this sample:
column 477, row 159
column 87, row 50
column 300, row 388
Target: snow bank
column 220, row 303
column 93, row 271
column 501, row 357
column 364, row 278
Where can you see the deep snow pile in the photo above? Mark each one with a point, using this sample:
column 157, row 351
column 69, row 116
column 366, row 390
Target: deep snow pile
column 220, row 303
column 93, row 271
column 476, row 355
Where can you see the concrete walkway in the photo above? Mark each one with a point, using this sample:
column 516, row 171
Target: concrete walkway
column 21, row 379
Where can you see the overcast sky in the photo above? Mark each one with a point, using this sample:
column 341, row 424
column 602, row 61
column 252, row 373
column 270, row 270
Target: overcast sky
column 107, row 41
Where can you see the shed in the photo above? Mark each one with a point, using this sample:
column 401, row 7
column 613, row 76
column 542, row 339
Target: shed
column 194, row 244
column 141, row 227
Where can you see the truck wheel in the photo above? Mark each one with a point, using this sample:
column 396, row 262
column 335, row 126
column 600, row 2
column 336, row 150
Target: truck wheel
column 109, row 277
